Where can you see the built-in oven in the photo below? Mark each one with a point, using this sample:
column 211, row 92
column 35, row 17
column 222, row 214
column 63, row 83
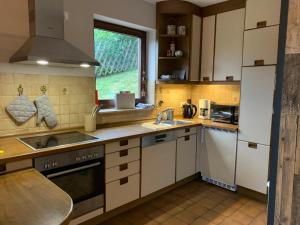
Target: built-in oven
column 79, row 173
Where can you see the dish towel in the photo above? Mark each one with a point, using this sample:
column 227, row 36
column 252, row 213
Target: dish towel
column 21, row 109
column 45, row 111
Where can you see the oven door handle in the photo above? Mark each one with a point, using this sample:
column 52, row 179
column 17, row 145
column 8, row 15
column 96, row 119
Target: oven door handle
column 73, row 170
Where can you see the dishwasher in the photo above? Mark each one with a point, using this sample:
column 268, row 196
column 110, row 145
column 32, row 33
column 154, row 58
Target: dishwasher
column 158, row 162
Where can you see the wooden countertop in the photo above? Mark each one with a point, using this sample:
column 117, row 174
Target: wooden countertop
column 13, row 150
column 29, row 198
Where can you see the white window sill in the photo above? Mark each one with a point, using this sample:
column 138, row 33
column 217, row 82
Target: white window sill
column 114, row 110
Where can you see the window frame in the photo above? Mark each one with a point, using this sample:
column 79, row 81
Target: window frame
column 108, row 104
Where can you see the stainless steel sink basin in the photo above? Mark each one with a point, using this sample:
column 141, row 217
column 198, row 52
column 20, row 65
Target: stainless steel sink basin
column 175, row 122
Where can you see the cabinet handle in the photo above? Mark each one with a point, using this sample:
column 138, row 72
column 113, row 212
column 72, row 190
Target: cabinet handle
column 123, row 167
column 261, row 24
column 187, row 138
column 124, row 153
column 124, row 181
column 187, row 130
column 124, row 142
column 252, row 145
column 259, row 62
column 229, row 78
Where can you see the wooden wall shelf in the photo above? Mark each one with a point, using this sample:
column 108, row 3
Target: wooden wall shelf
column 160, row 81
column 173, row 58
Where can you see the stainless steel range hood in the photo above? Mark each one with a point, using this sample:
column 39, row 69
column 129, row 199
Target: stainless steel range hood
column 46, row 42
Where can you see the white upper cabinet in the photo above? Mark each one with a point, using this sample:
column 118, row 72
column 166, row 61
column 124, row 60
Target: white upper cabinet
column 261, row 13
column 256, row 107
column 208, row 48
column 260, row 46
column 195, row 49
column 229, row 45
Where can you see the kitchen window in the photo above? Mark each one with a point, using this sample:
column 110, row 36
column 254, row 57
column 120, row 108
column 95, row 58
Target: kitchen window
column 122, row 54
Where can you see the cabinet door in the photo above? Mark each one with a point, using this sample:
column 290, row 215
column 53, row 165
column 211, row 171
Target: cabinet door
column 262, row 12
column 252, row 166
column 186, row 157
column 229, row 45
column 218, row 155
column 256, row 107
column 158, row 167
column 260, row 46
column 208, row 48
column 195, row 49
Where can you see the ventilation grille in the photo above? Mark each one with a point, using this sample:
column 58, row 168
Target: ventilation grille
column 220, row 184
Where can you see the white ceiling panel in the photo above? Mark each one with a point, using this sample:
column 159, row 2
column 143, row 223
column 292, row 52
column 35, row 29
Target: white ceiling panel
column 201, row 3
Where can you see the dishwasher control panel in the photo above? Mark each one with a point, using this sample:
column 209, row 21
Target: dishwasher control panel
column 158, row 138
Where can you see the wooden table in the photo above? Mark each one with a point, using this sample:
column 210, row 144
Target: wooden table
column 29, row 198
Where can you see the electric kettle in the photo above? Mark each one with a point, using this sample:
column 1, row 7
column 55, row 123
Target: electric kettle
column 189, row 110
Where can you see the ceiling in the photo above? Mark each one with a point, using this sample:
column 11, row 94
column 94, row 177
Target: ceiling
column 201, row 3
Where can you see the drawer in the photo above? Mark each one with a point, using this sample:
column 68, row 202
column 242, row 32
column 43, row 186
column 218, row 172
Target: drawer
column 121, row 145
column 260, row 46
column 121, row 157
column 124, row 170
column 122, row 191
column 186, row 131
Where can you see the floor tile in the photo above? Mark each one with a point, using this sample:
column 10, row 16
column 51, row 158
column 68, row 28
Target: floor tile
column 196, row 203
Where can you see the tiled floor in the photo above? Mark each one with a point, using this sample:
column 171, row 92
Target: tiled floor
column 196, row 203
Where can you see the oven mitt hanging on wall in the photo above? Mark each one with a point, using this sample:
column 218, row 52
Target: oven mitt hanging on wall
column 45, row 111
column 21, row 109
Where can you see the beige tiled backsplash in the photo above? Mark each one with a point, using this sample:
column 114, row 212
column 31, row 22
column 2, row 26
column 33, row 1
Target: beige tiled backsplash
column 70, row 96
column 221, row 94
column 174, row 95
column 73, row 96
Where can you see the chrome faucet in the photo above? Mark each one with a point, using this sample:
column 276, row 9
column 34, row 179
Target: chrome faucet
column 170, row 115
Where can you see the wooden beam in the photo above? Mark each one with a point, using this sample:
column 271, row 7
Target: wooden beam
column 293, row 33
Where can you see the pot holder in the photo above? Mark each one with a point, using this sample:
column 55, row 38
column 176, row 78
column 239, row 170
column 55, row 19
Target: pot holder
column 45, row 111
column 21, row 109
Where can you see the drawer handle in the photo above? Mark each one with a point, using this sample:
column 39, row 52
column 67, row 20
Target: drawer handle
column 2, row 168
column 229, row 78
column 124, row 181
column 205, row 78
column 186, row 138
column 124, row 153
column 252, row 145
column 261, row 24
column 187, row 130
column 124, row 142
column 259, row 62
column 123, row 167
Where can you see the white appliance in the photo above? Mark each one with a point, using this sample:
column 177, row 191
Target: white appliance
column 204, row 109
column 125, row 100
column 218, row 157
column 158, row 162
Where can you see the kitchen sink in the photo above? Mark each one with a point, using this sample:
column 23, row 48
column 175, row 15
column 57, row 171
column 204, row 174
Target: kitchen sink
column 175, row 122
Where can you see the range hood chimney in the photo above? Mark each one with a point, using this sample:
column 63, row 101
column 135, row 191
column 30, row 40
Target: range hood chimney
column 46, row 43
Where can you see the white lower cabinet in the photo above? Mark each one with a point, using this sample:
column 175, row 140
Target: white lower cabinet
column 122, row 173
column 252, row 166
column 158, row 166
column 186, row 157
column 122, row 191
column 218, row 155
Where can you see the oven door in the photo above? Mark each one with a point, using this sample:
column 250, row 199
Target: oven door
column 84, row 182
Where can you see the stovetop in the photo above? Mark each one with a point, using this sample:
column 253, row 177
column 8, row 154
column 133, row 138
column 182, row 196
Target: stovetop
column 54, row 140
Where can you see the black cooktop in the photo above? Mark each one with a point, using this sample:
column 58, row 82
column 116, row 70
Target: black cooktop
column 54, row 140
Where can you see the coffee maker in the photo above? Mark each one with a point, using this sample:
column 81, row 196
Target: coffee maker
column 204, row 109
